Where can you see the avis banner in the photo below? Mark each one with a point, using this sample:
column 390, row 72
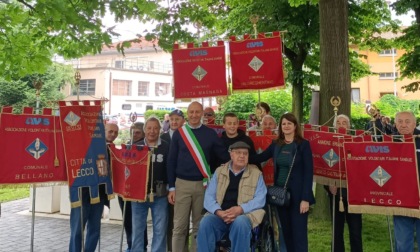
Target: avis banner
column 199, row 72
column 85, row 149
column 32, row 149
column 261, row 143
column 130, row 171
column 328, row 156
column 382, row 178
column 256, row 63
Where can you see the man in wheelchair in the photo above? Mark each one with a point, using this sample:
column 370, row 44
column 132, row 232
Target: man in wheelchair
column 234, row 199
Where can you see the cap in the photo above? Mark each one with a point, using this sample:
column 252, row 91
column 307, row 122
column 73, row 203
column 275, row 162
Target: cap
column 177, row 112
column 239, row 145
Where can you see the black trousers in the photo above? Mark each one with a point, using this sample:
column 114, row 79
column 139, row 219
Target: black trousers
column 354, row 222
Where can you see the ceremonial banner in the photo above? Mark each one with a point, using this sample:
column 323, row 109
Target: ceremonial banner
column 382, row 178
column 261, row 143
column 130, row 171
column 256, row 63
column 199, row 72
column 327, row 149
column 85, row 149
column 31, row 149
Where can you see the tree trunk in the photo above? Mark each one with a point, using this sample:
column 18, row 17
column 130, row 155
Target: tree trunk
column 297, row 95
column 335, row 73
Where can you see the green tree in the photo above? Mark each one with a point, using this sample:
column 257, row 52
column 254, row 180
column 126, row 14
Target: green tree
column 21, row 93
column 32, row 31
column 409, row 62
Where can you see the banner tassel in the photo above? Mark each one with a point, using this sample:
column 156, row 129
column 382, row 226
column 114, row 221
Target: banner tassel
column 341, row 205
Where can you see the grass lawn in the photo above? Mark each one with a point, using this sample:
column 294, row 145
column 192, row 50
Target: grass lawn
column 13, row 193
column 375, row 234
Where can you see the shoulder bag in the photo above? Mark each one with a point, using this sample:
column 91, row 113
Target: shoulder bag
column 280, row 196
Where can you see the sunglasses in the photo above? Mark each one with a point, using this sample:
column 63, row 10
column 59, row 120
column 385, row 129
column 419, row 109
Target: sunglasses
column 208, row 114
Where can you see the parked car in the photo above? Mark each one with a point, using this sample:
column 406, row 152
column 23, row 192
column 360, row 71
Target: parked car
column 111, row 119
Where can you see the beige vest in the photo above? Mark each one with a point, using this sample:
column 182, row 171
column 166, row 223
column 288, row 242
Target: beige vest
column 247, row 185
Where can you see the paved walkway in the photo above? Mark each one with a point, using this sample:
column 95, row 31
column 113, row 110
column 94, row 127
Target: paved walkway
column 52, row 231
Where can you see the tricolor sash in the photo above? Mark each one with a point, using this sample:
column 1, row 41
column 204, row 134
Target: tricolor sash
column 196, row 152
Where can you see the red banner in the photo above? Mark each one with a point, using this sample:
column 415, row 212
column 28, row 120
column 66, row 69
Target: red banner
column 256, row 63
column 31, row 149
column 130, row 171
column 85, row 148
column 199, row 72
column 261, row 143
column 327, row 149
column 382, row 178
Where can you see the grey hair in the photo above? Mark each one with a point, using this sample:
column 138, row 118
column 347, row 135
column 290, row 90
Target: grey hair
column 341, row 116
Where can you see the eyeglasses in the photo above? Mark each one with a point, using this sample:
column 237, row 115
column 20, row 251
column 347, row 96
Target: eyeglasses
column 245, row 153
column 208, row 114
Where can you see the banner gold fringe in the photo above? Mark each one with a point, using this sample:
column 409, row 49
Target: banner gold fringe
column 383, row 210
column 41, row 184
column 130, row 199
column 329, row 181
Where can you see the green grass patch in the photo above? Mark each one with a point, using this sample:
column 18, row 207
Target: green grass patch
column 14, row 193
column 375, row 234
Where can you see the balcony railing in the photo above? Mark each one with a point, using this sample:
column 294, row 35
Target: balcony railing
column 132, row 64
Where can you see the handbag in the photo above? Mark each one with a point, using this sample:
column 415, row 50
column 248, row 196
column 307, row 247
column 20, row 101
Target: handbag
column 280, row 196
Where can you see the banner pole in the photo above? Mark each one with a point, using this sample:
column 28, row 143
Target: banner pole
column 390, row 235
column 81, row 219
column 37, row 85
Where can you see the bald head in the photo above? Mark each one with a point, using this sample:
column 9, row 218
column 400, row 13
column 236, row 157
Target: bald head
column 194, row 113
column 405, row 122
column 111, row 132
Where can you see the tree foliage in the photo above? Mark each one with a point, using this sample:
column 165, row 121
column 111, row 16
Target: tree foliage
column 21, row 92
column 409, row 63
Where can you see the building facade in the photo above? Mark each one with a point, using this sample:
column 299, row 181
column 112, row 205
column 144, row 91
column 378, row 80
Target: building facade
column 137, row 81
column 384, row 79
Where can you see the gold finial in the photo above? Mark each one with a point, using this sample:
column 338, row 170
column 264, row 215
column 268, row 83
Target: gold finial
column 335, row 102
column 254, row 20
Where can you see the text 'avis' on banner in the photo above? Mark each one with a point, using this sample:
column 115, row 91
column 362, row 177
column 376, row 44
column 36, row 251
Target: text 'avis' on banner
column 32, row 149
column 85, row 149
column 382, row 178
column 256, row 63
column 199, row 72
column 130, row 171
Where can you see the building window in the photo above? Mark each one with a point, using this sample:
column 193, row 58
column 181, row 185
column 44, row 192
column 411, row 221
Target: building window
column 119, row 64
column 387, row 76
column 121, row 87
column 86, row 87
column 388, row 52
column 385, row 93
column 355, row 95
column 162, row 88
column 143, row 89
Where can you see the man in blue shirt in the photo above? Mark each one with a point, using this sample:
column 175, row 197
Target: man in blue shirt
column 234, row 199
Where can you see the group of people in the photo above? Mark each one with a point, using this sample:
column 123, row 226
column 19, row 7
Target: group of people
column 195, row 169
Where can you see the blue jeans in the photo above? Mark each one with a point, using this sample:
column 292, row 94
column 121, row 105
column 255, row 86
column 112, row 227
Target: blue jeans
column 213, row 229
column 404, row 233
column 92, row 214
column 160, row 223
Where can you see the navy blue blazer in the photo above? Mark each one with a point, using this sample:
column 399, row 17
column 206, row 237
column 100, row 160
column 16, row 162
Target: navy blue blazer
column 301, row 177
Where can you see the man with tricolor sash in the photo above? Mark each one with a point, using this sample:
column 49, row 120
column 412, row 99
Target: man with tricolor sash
column 192, row 147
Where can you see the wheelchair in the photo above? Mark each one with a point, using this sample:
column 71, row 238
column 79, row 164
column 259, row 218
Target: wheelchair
column 262, row 239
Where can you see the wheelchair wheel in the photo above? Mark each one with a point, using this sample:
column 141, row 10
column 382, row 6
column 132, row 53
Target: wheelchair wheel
column 266, row 242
